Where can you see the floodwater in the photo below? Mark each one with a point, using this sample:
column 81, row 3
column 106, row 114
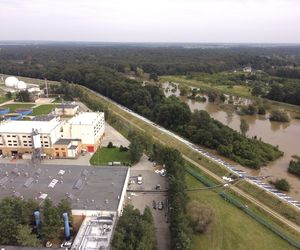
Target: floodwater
column 285, row 135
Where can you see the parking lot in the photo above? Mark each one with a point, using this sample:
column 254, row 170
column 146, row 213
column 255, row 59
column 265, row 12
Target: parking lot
column 140, row 200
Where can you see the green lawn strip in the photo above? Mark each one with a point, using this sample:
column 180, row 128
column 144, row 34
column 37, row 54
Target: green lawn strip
column 283, row 208
column 43, row 109
column 105, row 155
column 15, row 106
column 271, row 220
column 233, row 229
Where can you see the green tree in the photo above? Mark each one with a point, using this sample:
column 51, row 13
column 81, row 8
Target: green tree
column 24, row 96
column 136, row 149
column 26, row 238
column 279, row 116
column 51, row 221
column 8, row 95
column 244, row 127
column 282, row 184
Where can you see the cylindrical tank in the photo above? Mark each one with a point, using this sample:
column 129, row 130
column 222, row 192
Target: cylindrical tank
column 37, row 217
column 4, row 111
column 21, row 85
column 67, row 227
column 11, row 82
column 24, row 111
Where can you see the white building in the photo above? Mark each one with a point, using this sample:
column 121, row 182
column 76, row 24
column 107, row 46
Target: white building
column 67, row 109
column 89, row 127
column 16, row 136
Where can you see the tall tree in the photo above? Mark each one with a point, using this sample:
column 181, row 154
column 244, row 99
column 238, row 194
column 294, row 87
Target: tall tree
column 244, row 127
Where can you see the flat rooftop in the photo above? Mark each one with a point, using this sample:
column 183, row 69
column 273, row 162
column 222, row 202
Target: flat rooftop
column 87, row 187
column 25, row 127
column 44, row 118
column 85, row 118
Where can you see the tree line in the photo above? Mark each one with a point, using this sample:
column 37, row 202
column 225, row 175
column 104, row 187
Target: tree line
column 17, row 225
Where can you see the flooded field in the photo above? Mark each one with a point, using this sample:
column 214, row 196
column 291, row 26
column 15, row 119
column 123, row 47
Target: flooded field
column 285, row 135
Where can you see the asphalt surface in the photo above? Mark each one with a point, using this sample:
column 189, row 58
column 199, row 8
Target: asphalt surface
column 142, row 199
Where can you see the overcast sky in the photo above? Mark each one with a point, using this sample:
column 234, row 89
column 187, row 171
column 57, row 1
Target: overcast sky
column 151, row 21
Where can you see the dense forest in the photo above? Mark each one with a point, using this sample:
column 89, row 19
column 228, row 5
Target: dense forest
column 102, row 69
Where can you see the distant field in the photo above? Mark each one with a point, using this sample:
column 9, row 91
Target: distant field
column 43, row 109
column 15, row 106
column 238, row 90
column 234, row 229
column 105, row 155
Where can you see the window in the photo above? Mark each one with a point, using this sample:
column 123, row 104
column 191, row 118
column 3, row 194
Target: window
column 15, row 145
column 25, row 145
column 24, row 136
column 14, row 136
column 56, row 148
column 8, row 135
column 9, row 141
column 10, row 144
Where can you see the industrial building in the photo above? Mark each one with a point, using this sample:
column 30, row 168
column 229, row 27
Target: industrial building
column 88, row 126
column 96, row 194
column 66, row 109
column 51, row 136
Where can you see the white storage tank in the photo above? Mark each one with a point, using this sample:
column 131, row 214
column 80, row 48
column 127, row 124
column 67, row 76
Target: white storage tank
column 11, row 82
column 21, row 85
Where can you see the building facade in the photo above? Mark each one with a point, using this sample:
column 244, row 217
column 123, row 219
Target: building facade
column 57, row 138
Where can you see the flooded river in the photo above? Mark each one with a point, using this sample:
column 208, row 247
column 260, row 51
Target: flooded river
column 285, row 135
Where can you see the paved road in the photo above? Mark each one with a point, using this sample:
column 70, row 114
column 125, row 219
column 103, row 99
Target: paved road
column 140, row 199
column 237, row 190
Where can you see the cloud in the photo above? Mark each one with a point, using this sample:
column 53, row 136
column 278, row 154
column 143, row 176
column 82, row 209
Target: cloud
column 155, row 20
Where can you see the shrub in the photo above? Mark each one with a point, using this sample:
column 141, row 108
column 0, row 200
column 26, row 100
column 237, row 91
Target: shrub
column 281, row 184
column 279, row 116
column 201, row 217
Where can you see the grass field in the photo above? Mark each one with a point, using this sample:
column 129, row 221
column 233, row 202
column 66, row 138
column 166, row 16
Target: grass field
column 43, row 109
column 3, row 99
column 233, row 229
column 15, row 106
column 105, row 155
column 238, row 90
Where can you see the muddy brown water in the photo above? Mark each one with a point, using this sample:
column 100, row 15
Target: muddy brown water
column 285, row 135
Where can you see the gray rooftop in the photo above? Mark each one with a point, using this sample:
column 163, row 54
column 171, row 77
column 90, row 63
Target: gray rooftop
column 87, row 187
column 67, row 105
column 43, row 118
column 63, row 141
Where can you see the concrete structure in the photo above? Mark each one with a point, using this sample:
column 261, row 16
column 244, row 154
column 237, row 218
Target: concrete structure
column 66, row 109
column 96, row 193
column 247, row 69
column 61, row 139
column 67, row 148
column 16, row 136
column 89, row 127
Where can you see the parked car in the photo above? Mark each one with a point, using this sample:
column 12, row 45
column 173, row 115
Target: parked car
column 154, row 204
column 140, row 180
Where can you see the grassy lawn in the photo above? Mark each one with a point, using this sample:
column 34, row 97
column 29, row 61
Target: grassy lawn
column 43, row 109
column 233, row 229
column 15, row 106
column 105, row 155
column 3, row 99
column 238, row 90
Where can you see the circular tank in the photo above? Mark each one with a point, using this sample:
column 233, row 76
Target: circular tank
column 13, row 116
column 21, row 85
column 4, row 111
column 23, row 111
column 11, row 82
